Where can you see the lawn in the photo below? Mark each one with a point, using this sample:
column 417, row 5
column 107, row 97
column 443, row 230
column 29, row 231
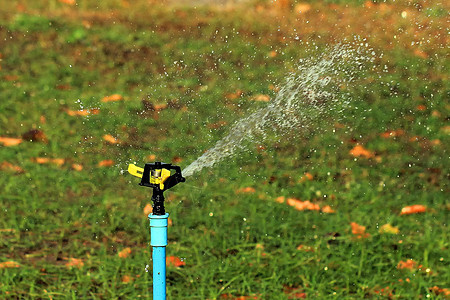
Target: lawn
column 355, row 205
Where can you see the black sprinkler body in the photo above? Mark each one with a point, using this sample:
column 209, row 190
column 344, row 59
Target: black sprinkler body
column 157, row 175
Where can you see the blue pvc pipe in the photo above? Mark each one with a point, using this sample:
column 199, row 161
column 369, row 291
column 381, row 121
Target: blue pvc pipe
column 158, row 240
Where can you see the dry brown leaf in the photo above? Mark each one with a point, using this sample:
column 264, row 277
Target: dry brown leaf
column 8, row 142
column 125, row 252
column 280, row 199
column 261, row 98
column 9, row 166
column 151, row 157
column 245, row 190
column 235, row 95
column 45, row 160
column 302, row 8
column 328, row 210
column 174, row 261
column 110, row 139
column 9, row 264
column 126, row 279
column 408, row 264
column 7, row 230
column 272, row 53
column 77, row 167
column 148, row 209
column 413, row 209
column 112, row 98
column 83, row 112
column 68, row 2
column 359, row 150
column 420, row 53
column 106, row 163
column 359, row 230
column 74, row 263
column 392, row 133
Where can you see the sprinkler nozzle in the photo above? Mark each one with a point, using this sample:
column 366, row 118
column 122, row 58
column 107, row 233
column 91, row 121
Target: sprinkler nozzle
column 157, row 176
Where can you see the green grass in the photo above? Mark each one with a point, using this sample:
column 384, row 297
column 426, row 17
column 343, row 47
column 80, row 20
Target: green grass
column 56, row 58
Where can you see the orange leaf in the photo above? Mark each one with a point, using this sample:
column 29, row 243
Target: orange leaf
column 35, row 135
column 272, row 53
column 392, row 133
column 74, row 262
column 7, row 230
column 359, row 230
column 112, row 98
column 413, row 209
column 307, row 176
column 438, row 291
column 388, row 228
column 83, row 112
column 328, row 210
column 45, row 160
column 69, row 2
column 8, row 142
column 174, row 261
column 9, row 166
column 126, row 279
column 420, row 53
column 408, row 264
column 151, row 157
column 125, row 252
column 235, row 95
column 246, row 190
column 110, row 139
column 280, row 199
column 302, row 8
column 262, row 98
column 9, row 264
column 305, row 248
column 421, row 107
column 148, row 209
column 359, row 150
column 106, row 163
column 77, row 167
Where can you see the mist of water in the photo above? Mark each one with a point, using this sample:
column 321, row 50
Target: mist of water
column 314, row 88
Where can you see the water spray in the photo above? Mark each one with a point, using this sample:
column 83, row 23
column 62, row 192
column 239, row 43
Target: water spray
column 159, row 177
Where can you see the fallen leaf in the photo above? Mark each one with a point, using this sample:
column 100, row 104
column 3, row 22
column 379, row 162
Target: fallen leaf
column 302, row 205
column 148, row 209
column 151, row 157
column 413, row 209
column 359, row 230
column 359, row 150
column 112, row 98
column 392, row 133
column 74, row 262
column 176, row 159
column 83, row 112
column 7, row 230
column 68, row 2
column 126, row 279
column 106, row 163
column 235, row 95
column 8, row 142
column 408, row 264
column 159, row 107
column 174, row 261
column 305, row 248
column 294, row 292
column 216, row 125
column 272, row 53
column 388, row 228
column 302, row 8
column 280, row 199
column 45, row 160
column 328, row 210
column 11, row 77
column 245, row 190
column 9, row 166
column 440, row 291
column 307, row 176
column 9, row 264
column 421, row 107
column 125, row 252
column 420, row 53
column 110, row 139
column 261, row 98
column 77, row 167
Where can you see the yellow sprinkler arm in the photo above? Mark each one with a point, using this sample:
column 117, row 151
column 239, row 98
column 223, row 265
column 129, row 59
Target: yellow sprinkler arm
column 135, row 171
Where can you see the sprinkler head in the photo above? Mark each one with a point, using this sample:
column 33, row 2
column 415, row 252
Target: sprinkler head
column 157, row 176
